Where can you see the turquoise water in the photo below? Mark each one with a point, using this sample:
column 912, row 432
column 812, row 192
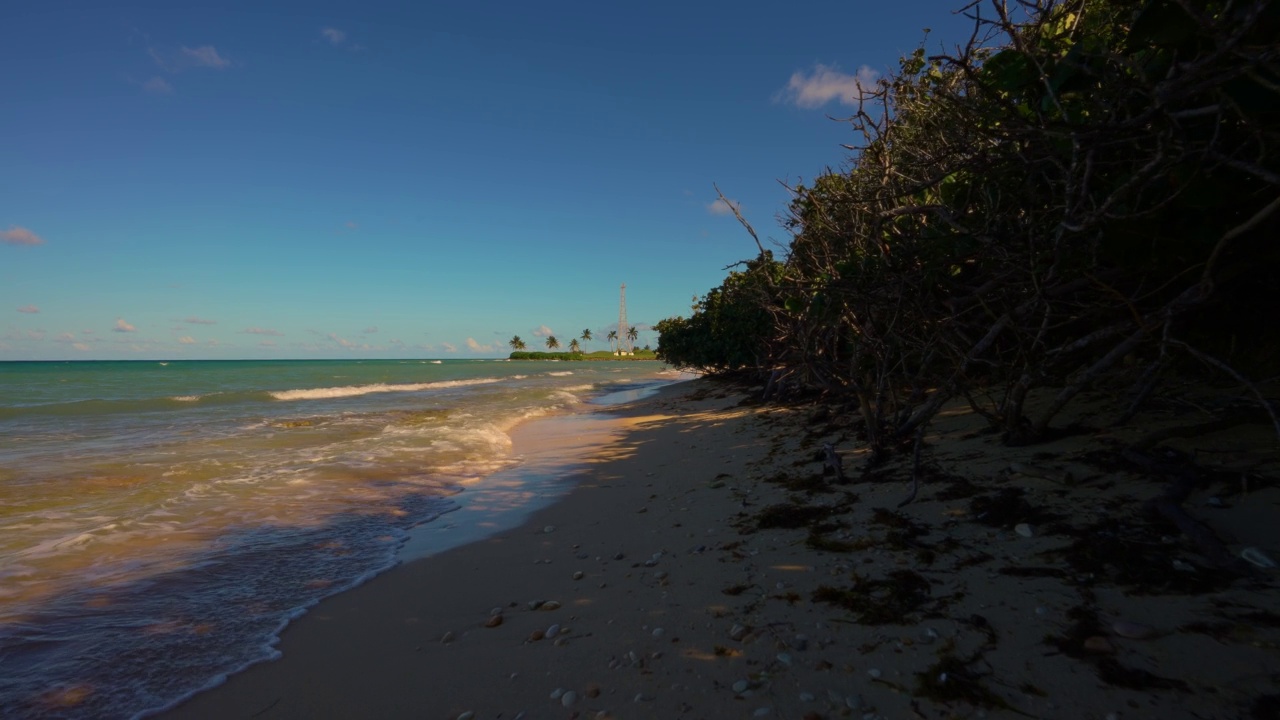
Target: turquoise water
column 161, row 522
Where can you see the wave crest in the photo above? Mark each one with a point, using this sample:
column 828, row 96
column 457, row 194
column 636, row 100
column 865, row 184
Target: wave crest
column 356, row 390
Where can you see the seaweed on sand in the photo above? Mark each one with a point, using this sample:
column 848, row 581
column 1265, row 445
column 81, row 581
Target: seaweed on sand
column 1007, row 508
column 1072, row 643
column 891, row 600
column 1135, row 556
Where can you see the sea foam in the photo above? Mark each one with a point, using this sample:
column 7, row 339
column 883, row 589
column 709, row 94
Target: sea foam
column 356, row 390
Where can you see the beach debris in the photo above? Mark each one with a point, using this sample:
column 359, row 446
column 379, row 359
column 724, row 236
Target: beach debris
column 762, row 712
column 493, row 621
column 555, row 694
column 928, row 636
column 549, row 529
column 569, row 699
column 1257, row 558
column 1132, row 630
column 619, row 556
column 495, row 611
column 740, row 687
column 874, row 673
column 549, row 605
column 1024, row 530
column 447, row 637
column 642, row 697
column 578, row 575
column 535, row 604
column 738, row 632
column 468, row 715
column 784, row 658
column 854, row 702
column 552, row 631
column 537, row 635
column 657, row 632
column 831, row 462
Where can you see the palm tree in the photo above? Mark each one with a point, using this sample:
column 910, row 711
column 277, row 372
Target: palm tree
column 612, row 336
column 552, row 343
column 574, row 346
column 516, row 343
column 586, row 335
column 632, row 334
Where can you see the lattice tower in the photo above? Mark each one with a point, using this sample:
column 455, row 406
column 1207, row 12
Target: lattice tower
column 622, row 320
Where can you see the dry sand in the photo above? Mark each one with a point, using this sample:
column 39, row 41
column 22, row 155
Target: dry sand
column 703, row 567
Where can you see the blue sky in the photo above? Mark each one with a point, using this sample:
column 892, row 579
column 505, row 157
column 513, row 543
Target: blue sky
column 314, row 179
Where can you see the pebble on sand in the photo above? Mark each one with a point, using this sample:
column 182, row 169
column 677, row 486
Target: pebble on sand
column 493, row 621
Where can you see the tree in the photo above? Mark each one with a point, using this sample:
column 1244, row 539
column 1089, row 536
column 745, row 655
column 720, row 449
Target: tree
column 574, row 346
column 632, row 335
column 552, row 343
column 516, row 343
column 612, row 337
column 586, row 335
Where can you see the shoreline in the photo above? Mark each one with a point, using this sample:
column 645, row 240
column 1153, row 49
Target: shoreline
column 701, row 566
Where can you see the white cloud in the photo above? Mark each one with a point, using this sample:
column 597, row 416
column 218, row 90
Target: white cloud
column 720, row 207
column 35, row 334
column 205, row 56
column 543, row 331
column 158, row 86
column 123, row 327
column 187, row 340
column 333, row 35
column 29, row 309
column 342, row 341
column 267, row 343
column 449, row 347
column 200, row 321
column 263, row 331
column 474, row 346
column 826, row 83
column 80, row 346
column 20, row 236
column 64, row 337
column 370, row 330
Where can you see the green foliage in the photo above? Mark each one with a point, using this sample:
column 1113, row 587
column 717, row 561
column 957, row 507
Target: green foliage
column 544, row 356
column 730, row 327
column 1095, row 181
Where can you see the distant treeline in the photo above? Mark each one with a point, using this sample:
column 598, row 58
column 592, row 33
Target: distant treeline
column 645, row 354
column 1084, row 195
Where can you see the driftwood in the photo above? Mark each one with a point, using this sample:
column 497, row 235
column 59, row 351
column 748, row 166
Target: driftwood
column 1184, row 479
column 831, row 461
column 915, row 467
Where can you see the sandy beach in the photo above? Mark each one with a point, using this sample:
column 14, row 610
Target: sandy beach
column 703, row 565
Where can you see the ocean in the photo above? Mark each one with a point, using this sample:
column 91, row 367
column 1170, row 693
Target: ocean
column 161, row 522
